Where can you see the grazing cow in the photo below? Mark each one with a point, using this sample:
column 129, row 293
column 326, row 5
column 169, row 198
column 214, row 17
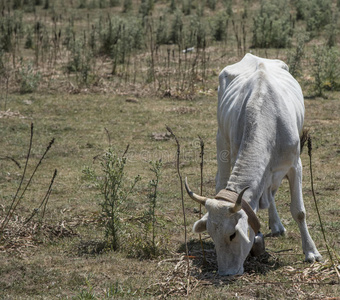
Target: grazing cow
column 260, row 117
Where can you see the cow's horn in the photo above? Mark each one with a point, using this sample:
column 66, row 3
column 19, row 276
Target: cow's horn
column 238, row 204
column 197, row 198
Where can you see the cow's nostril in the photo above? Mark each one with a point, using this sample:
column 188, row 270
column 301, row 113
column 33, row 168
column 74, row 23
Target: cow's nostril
column 232, row 236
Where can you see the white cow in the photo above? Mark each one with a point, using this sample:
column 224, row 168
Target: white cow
column 260, row 118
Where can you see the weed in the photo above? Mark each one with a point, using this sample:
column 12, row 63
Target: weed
column 114, row 192
column 117, row 290
column 150, row 215
column 29, row 78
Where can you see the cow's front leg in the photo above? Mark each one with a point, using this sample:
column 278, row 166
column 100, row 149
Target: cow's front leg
column 223, row 162
column 299, row 213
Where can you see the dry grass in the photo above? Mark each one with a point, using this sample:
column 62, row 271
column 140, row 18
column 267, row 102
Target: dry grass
column 50, row 260
column 63, row 255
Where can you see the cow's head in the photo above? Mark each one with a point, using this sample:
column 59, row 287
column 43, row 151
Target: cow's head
column 227, row 224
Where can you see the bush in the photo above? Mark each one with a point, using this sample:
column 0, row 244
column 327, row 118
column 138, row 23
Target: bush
column 80, row 60
column 220, row 26
column 316, row 13
column 127, row 6
column 28, row 78
column 146, row 7
column 273, row 25
column 176, row 30
column 118, row 38
column 11, row 26
column 114, row 192
column 162, row 36
column 325, row 70
column 295, row 57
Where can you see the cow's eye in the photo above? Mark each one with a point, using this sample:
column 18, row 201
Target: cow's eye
column 232, row 236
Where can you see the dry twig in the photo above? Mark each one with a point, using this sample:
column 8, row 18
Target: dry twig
column 182, row 196
column 317, row 208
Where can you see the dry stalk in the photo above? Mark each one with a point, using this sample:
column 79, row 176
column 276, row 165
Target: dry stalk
column 44, row 200
column 5, row 221
column 200, row 213
column 126, row 150
column 317, row 208
column 183, row 208
column 108, row 136
column 16, row 200
column 10, row 158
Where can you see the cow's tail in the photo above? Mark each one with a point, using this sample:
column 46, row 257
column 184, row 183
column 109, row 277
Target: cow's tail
column 303, row 138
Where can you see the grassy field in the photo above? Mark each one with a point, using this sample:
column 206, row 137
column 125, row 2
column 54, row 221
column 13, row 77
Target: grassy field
column 62, row 254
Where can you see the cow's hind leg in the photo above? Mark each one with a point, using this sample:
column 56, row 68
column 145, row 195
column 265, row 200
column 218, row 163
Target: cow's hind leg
column 299, row 213
column 275, row 224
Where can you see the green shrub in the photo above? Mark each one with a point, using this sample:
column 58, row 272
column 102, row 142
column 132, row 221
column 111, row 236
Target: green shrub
column 118, row 38
column 220, row 26
column 319, row 14
column 127, row 6
column 150, row 214
column 325, row 70
column 114, row 191
column 114, row 3
column 295, row 57
column 162, row 36
column 186, row 7
column 47, row 4
column 273, row 25
column 146, row 7
column 316, row 13
column 29, row 78
column 11, row 26
column 29, row 40
column 176, row 30
column 212, row 4
column 146, row 246
column 331, row 31
column 80, row 60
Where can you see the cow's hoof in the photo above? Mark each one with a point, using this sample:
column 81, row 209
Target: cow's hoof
column 312, row 257
column 277, row 233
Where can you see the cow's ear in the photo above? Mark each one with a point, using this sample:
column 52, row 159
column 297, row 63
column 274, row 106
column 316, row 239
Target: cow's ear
column 201, row 225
